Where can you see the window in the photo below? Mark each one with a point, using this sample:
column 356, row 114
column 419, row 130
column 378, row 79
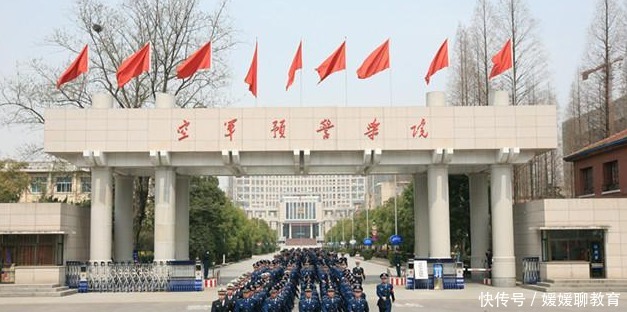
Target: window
column 38, row 184
column 569, row 245
column 64, row 184
column 587, row 186
column 86, row 184
column 610, row 176
column 32, row 249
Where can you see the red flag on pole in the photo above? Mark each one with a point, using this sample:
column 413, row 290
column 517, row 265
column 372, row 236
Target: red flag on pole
column 335, row 62
column 503, row 60
column 439, row 61
column 134, row 65
column 297, row 63
column 79, row 66
column 377, row 61
column 251, row 77
column 201, row 59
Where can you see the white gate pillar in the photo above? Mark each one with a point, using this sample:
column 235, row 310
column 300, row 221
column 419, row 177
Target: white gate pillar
column 182, row 218
column 479, row 222
column 421, row 216
column 123, row 215
column 503, row 261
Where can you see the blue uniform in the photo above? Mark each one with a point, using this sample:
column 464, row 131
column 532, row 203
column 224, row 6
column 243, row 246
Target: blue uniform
column 245, row 305
column 272, row 305
column 358, row 305
column 309, row 305
column 331, row 304
column 385, row 292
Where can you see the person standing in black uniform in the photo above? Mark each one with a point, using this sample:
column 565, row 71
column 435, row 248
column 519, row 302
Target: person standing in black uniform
column 221, row 305
column 358, row 273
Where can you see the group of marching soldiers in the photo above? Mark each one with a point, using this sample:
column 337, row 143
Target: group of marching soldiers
column 320, row 279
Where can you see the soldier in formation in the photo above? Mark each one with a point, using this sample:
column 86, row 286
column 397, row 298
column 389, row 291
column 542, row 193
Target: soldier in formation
column 321, row 280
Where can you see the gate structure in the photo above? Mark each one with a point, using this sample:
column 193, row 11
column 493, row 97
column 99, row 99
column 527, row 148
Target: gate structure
column 429, row 142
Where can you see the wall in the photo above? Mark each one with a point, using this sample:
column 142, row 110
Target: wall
column 596, row 162
column 40, row 275
column 142, row 130
column 44, row 218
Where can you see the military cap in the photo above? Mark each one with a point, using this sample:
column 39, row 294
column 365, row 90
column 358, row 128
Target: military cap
column 308, row 287
column 330, row 289
column 384, row 275
column 245, row 290
column 230, row 286
column 222, row 291
column 357, row 287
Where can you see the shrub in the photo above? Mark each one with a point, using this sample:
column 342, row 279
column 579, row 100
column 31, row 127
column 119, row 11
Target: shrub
column 367, row 254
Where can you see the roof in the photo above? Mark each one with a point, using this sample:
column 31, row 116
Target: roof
column 611, row 142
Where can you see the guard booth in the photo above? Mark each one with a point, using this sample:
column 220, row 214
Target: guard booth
column 436, row 273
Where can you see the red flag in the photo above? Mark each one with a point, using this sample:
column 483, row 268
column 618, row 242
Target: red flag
column 134, row 65
column 502, row 60
column 335, row 62
column 439, row 61
column 297, row 63
column 77, row 67
column 201, row 59
column 251, row 77
column 377, row 61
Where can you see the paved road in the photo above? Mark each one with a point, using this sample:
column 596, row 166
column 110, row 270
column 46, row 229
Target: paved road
column 468, row 299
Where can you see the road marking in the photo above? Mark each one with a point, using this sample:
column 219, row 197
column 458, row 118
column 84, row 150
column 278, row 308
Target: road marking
column 408, row 305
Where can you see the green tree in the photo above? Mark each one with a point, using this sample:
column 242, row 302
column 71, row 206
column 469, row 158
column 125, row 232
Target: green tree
column 383, row 216
column 219, row 227
column 13, row 181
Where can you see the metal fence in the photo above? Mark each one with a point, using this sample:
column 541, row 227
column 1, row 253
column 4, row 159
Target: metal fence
column 531, row 270
column 132, row 277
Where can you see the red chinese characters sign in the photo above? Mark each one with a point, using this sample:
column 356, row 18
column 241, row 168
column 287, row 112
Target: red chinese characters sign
column 278, row 127
column 372, row 130
column 325, row 125
column 182, row 130
column 230, row 128
column 419, row 129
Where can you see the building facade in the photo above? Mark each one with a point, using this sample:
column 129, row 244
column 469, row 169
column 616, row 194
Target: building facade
column 581, row 237
column 56, row 181
column 300, row 208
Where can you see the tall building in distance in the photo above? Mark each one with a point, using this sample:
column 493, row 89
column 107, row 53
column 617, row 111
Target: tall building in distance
column 300, row 208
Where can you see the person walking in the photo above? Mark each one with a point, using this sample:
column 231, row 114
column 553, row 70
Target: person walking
column 358, row 273
column 358, row 303
column 309, row 304
column 385, row 292
column 331, row 303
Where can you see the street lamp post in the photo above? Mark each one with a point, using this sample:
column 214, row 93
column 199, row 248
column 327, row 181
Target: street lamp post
column 395, row 208
column 353, row 222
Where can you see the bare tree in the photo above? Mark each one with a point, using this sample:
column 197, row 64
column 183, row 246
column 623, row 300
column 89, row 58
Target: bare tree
column 471, row 60
column 605, row 52
column 528, row 79
column 484, row 23
column 461, row 84
column 175, row 28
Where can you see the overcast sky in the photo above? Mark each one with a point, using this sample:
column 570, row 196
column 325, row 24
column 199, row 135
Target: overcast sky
column 416, row 30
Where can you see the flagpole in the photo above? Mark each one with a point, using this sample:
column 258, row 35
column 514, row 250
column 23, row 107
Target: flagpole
column 345, row 78
column 300, row 74
column 256, row 56
column 390, row 78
